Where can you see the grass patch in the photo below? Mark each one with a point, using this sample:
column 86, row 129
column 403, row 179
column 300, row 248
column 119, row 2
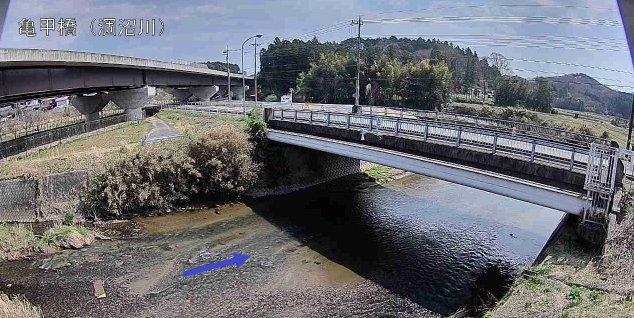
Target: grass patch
column 78, row 153
column 575, row 296
column 543, row 269
column 533, row 282
column 54, row 236
column 15, row 241
column 185, row 121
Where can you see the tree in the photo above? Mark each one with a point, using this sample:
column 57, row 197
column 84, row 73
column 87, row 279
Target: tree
column 429, row 86
column 222, row 66
column 510, row 90
column 329, row 80
column 501, row 63
column 541, row 96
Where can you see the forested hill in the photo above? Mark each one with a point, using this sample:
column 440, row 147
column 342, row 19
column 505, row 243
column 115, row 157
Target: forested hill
column 283, row 61
column 581, row 92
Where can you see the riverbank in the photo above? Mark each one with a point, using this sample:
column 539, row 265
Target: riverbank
column 568, row 282
column 400, row 248
column 285, row 275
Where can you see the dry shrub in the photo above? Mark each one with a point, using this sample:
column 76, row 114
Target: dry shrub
column 154, row 178
column 150, row 179
column 618, row 258
column 15, row 241
column 18, row 307
column 224, row 159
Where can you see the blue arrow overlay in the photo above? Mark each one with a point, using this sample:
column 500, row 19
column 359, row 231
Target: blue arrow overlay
column 237, row 259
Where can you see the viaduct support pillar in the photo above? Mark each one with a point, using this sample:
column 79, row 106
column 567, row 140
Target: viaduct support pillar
column 205, row 93
column 90, row 106
column 181, row 95
column 132, row 100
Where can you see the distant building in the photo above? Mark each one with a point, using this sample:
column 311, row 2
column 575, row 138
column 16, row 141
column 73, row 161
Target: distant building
column 29, row 103
column 62, row 101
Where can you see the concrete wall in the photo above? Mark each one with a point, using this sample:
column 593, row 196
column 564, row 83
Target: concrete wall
column 44, row 198
column 554, row 176
column 308, row 168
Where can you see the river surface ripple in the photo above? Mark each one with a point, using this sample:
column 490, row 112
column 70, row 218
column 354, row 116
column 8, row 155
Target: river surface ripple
column 439, row 244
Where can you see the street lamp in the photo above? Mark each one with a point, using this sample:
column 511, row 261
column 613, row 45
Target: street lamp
column 244, row 87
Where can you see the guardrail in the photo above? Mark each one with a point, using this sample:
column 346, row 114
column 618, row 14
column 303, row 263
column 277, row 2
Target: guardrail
column 241, row 111
column 532, row 149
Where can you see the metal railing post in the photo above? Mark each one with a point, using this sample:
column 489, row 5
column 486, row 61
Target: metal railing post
column 572, row 159
column 533, row 151
column 327, row 119
column 311, row 117
column 348, row 121
column 396, row 128
column 426, row 130
column 295, row 115
column 495, row 142
column 458, row 137
column 371, row 120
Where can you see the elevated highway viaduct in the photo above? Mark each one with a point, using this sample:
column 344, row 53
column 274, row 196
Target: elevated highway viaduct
column 95, row 79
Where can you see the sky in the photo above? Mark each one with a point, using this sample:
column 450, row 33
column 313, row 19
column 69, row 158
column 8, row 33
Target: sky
column 200, row 30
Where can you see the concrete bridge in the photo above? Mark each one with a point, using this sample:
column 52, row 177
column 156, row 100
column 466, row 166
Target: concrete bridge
column 95, row 79
column 575, row 180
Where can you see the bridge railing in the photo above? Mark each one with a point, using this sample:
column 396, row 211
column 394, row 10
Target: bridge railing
column 538, row 130
column 532, row 149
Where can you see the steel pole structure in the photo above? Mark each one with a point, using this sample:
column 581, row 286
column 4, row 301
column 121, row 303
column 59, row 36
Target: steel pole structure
column 356, row 98
column 255, row 63
column 228, row 77
column 626, row 9
column 244, row 87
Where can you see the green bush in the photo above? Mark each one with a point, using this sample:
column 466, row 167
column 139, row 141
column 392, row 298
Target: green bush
column 69, row 218
column 155, row 178
column 271, row 98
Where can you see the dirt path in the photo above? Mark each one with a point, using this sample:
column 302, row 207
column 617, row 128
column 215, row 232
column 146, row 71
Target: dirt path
column 160, row 129
column 143, row 276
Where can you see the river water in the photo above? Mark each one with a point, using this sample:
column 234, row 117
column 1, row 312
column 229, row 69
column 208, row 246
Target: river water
column 414, row 247
column 439, row 244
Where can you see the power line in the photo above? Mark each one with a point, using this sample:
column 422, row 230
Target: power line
column 528, row 43
column 498, row 5
column 607, row 41
column 505, row 79
column 567, row 64
column 509, row 19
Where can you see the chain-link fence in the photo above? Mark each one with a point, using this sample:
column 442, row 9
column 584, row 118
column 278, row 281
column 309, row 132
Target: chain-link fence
column 18, row 200
column 44, row 198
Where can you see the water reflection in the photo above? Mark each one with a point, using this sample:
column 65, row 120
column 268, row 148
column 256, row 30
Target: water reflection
column 434, row 242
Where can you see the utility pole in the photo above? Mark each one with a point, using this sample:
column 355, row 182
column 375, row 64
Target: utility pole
column 356, row 97
column 629, row 132
column 226, row 52
column 255, row 63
